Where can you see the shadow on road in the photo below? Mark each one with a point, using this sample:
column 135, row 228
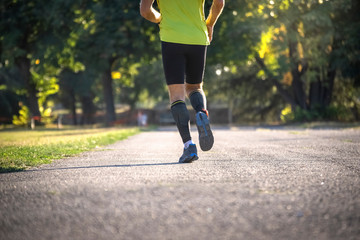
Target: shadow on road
column 104, row 166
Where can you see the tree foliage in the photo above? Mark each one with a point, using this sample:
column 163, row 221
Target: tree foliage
column 31, row 33
column 300, row 47
column 269, row 60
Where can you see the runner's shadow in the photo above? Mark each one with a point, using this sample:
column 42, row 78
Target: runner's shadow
column 104, row 166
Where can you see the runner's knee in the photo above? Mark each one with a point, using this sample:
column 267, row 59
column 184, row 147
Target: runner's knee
column 176, row 92
column 190, row 88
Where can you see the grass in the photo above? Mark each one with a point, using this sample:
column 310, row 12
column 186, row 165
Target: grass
column 330, row 125
column 21, row 149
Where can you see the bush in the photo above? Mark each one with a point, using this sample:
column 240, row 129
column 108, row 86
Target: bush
column 24, row 117
column 317, row 113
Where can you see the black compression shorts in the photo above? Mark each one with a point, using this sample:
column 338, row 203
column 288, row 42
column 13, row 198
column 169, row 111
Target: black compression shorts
column 183, row 62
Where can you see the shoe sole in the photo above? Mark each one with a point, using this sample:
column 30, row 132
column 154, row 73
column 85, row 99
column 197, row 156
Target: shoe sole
column 192, row 157
column 206, row 138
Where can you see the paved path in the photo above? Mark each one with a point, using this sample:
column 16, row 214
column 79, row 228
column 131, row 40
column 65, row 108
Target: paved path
column 254, row 184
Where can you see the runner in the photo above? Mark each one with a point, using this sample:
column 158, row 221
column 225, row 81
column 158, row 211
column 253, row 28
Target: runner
column 184, row 35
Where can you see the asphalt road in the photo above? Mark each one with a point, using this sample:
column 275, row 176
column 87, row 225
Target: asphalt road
column 254, row 184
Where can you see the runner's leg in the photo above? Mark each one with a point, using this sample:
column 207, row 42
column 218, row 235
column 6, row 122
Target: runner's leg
column 195, row 65
column 174, row 68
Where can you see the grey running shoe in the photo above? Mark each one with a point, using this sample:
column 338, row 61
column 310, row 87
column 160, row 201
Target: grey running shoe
column 206, row 137
column 189, row 155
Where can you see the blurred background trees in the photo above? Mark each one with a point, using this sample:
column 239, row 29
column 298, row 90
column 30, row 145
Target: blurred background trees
column 270, row 61
column 303, row 51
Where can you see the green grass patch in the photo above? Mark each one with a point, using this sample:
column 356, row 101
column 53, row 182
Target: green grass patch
column 297, row 133
column 330, row 125
column 21, row 149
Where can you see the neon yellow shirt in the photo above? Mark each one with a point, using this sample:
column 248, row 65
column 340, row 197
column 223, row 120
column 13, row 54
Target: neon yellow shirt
column 183, row 21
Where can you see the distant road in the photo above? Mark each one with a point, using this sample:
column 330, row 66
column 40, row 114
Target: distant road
column 254, row 184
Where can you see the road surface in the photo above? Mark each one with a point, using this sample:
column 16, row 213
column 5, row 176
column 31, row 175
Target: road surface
column 256, row 183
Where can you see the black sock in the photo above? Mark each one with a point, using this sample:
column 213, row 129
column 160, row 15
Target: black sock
column 198, row 100
column 182, row 119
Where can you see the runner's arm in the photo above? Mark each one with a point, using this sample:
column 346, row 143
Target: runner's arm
column 148, row 12
column 215, row 11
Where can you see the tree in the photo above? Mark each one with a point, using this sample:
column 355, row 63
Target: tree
column 144, row 85
column 305, row 41
column 232, row 73
column 117, row 37
column 28, row 31
column 74, row 87
column 9, row 100
column 299, row 46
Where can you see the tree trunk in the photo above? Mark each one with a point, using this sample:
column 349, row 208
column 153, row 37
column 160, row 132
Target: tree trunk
column 88, row 110
column 73, row 106
column 329, row 86
column 315, row 98
column 283, row 93
column 23, row 64
column 297, row 84
column 110, row 116
column 298, row 89
column 355, row 111
column 321, row 90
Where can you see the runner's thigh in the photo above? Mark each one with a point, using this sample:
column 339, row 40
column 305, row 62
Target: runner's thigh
column 173, row 62
column 195, row 63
